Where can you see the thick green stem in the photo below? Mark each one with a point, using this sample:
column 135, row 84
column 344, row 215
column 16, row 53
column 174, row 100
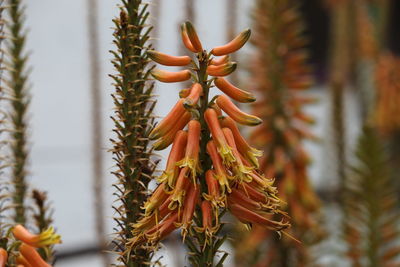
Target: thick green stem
column 133, row 121
column 19, row 104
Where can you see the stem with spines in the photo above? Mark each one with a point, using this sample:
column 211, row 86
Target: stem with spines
column 133, row 121
column 19, row 104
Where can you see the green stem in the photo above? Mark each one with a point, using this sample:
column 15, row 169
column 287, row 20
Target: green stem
column 133, row 121
column 19, row 104
column 205, row 133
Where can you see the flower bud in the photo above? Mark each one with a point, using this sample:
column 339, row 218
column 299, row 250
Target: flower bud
column 170, row 76
column 168, row 60
column 234, row 45
column 233, row 92
column 221, row 70
column 235, row 113
column 193, row 37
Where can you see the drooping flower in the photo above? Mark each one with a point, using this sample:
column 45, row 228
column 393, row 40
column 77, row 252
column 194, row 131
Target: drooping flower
column 207, row 228
column 45, row 238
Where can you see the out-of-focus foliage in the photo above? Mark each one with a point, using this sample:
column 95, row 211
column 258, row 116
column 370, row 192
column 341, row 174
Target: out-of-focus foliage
column 371, row 216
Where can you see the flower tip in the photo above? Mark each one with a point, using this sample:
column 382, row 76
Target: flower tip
column 193, row 37
column 234, row 45
column 251, row 98
column 254, row 121
column 221, row 70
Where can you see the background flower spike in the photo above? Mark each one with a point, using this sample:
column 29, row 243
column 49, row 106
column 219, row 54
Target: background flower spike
column 168, row 60
column 234, row 45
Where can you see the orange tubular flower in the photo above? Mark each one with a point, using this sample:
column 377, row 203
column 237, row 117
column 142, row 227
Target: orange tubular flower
column 32, row 256
column 45, row 238
column 184, row 92
column 235, row 113
column 171, row 77
column 221, row 70
column 220, row 172
column 188, row 210
column 191, row 159
column 244, row 148
column 207, row 223
column 168, row 122
column 185, row 39
column 179, row 192
column 157, row 232
column 3, row 257
column 176, row 154
column 213, row 195
column 253, row 193
column 234, row 45
column 242, row 199
column 195, row 92
column 168, row 60
column 234, row 92
column 224, row 150
column 240, row 171
column 156, row 199
column 168, row 138
column 249, row 217
column 22, row 262
column 220, row 61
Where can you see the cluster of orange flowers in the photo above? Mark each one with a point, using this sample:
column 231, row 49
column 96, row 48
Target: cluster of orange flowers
column 28, row 255
column 388, row 93
column 210, row 164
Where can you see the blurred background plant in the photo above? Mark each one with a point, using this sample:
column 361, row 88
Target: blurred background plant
column 280, row 74
column 21, row 207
